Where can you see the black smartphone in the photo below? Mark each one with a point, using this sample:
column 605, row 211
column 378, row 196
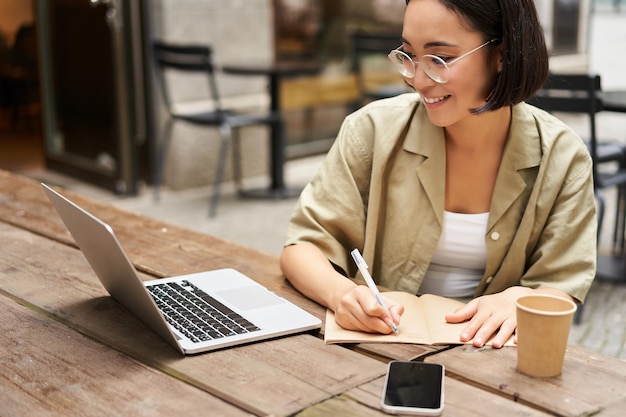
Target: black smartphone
column 413, row 388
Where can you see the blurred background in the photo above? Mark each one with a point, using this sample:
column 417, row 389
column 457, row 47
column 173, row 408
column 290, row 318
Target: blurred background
column 78, row 93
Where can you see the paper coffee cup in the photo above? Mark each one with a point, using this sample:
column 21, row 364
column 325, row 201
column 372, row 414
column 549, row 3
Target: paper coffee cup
column 543, row 325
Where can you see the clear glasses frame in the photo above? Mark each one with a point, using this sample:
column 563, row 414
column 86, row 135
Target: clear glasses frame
column 433, row 66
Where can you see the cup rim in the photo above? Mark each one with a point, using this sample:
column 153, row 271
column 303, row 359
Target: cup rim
column 544, row 312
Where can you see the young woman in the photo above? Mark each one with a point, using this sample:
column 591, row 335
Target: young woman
column 461, row 190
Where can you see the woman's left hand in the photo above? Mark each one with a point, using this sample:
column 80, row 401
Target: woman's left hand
column 493, row 315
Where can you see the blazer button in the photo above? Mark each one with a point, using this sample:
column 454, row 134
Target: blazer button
column 495, row 236
column 489, row 279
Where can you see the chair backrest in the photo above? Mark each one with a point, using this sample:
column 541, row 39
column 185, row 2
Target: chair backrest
column 374, row 42
column 573, row 93
column 368, row 44
column 185, row 58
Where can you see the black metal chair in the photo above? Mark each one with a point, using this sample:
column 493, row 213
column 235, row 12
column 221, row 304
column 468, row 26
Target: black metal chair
column 581, row 94
column 198, row 59
column 364, row 46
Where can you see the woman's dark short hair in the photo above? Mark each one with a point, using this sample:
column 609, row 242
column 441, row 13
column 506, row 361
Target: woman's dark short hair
column 525, row 61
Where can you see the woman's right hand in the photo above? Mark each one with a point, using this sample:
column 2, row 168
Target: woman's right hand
column 358, row 309
column 355, row 307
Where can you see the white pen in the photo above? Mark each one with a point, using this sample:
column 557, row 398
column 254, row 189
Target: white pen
column 360, row 263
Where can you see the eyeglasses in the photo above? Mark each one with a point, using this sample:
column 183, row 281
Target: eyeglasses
column 435, row 67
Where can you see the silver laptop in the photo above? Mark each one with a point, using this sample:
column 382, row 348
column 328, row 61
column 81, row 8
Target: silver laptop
column 195, row 313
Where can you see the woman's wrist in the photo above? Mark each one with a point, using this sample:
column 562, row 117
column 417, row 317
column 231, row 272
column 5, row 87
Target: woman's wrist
column 342, row 287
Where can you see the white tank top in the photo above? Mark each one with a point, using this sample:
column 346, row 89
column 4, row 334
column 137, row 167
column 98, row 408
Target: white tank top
column 459, row 260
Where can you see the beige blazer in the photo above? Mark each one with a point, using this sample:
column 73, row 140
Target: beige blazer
column 381, row 189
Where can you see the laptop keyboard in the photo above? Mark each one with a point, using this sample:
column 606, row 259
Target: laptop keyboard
column 196, row 314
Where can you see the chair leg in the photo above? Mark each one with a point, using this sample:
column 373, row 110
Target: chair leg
column 226, row 134
column 161, row 157
column 578, row 315
column 237, row 169
column 617, row 211
column 620, row 218
column 600, row 200
column 579, row 310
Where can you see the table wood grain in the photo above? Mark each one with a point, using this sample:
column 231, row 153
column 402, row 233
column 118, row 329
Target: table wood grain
column 278, row 376
column 68, row 348
column 590, row 382
column 48, row 369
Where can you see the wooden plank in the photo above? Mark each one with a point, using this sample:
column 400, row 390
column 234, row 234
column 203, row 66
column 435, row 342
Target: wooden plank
column 48, row 369
column 340, row 406
column 279, row 377
column 398, row 351
column 157, row 250
column 460, row 400
column 589, row 382
column 615, row 409
column 23, row 203
column 162, row 249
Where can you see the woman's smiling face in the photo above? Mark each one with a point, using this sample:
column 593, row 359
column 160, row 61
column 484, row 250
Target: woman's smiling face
column 430, row 28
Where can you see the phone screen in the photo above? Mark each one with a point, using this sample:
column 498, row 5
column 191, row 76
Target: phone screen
column 414, row 386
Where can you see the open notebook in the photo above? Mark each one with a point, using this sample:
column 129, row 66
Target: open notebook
column 196, row 312
column 423, row 322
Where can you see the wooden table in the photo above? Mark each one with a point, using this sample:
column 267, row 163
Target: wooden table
column 70, row 349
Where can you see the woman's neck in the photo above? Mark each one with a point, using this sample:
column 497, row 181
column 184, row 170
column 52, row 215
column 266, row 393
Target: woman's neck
column 482, row 131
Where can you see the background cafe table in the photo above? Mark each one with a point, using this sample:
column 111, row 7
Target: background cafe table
column 70, row 349
column 274, row 71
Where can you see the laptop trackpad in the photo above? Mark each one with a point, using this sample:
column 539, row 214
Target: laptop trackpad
column 249, row 298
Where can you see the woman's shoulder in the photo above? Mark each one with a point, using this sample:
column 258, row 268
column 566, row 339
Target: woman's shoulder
column 546, row 121
column 559, row 144
column 551, row 130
